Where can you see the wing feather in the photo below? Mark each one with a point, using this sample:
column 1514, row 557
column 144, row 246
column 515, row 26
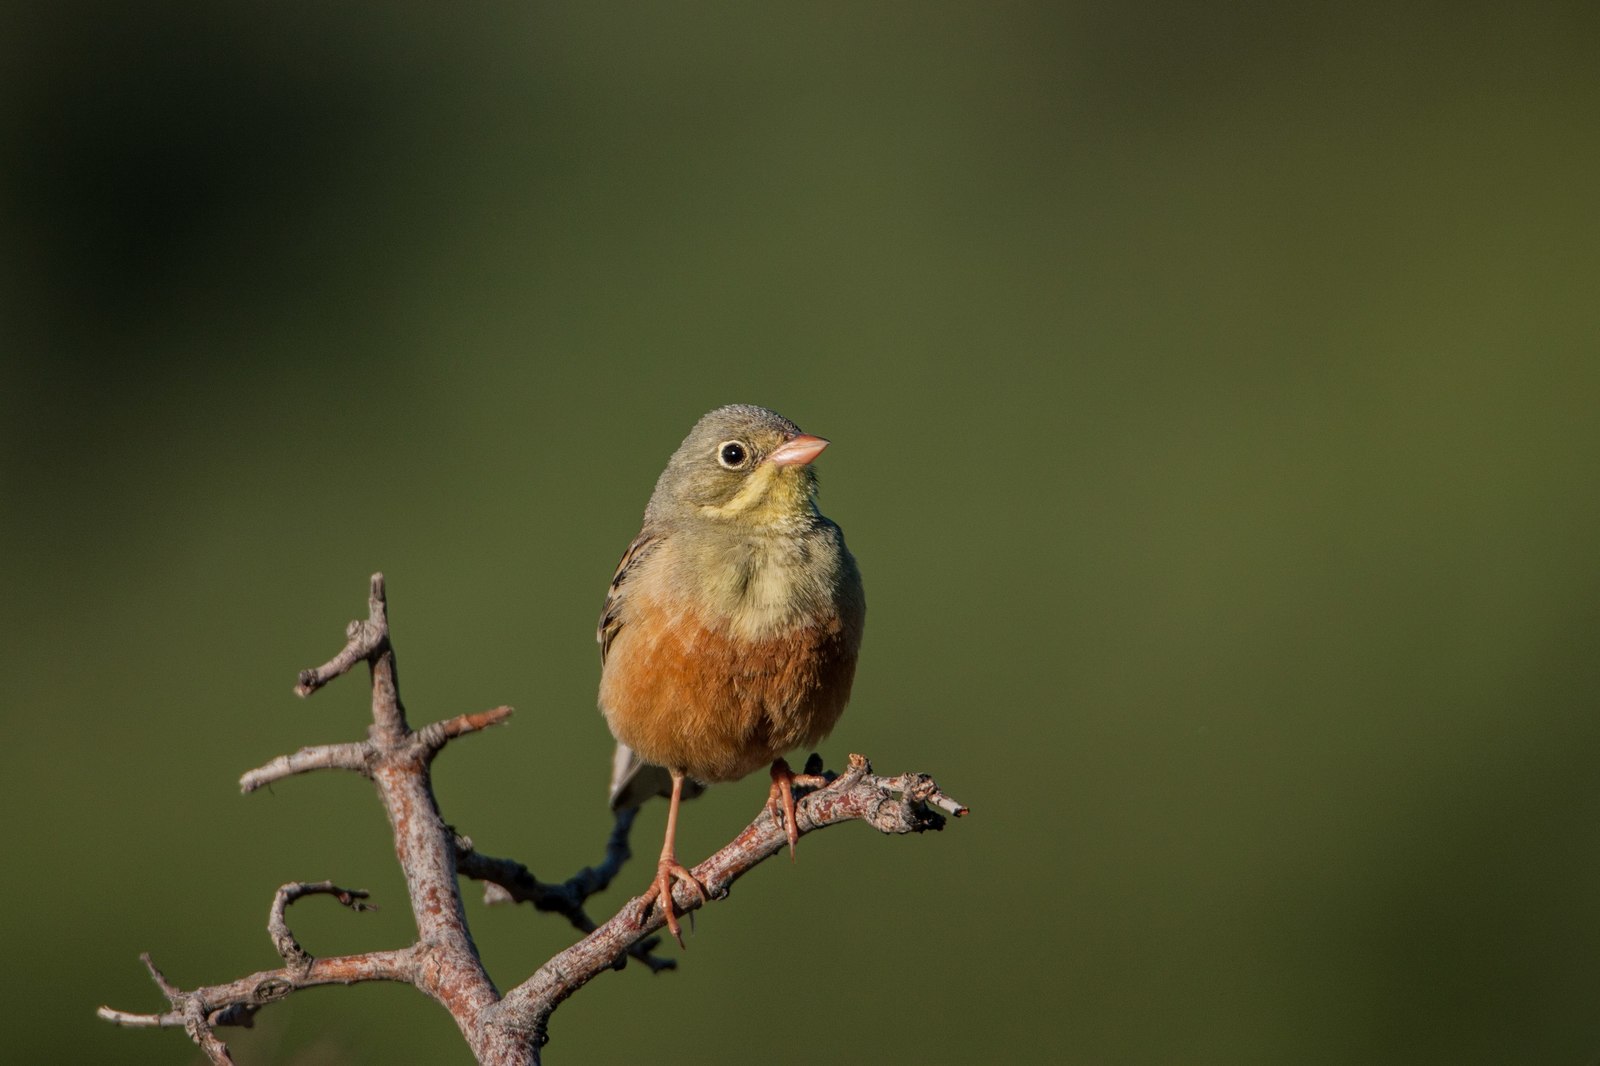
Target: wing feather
column 611, row 613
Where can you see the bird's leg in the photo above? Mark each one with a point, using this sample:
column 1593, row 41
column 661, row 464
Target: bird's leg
column 669, row 869
column 782, row 797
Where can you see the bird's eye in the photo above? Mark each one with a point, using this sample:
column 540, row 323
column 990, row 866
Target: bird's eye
column 732, row 455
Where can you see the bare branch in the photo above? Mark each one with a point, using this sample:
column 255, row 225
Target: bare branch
column 363, row 641
column 435, row 736
column 235, row 1003
column 175, row 1018
column 200, row 1031
column 443, row 963
column 189, row 1011
column 359, row 755
column 945, row 803
column 355, row 756
column 129, row 1020
column 294, row 956
column 890, row 805
column 168, row 989
column 511, row 881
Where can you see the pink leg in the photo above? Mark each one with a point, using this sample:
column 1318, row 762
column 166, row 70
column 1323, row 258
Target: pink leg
column 669, row 869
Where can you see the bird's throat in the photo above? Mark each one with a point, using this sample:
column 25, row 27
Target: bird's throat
column 760, row 587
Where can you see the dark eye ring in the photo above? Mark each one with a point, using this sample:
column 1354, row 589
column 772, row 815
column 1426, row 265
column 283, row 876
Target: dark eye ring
column 732, row 454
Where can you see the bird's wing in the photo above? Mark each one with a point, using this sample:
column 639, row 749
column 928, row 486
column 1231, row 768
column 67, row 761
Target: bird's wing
column 611, row 613
column 632, row 779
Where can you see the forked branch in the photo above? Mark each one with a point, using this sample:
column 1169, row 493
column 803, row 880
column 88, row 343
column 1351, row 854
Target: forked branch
column 443, row 963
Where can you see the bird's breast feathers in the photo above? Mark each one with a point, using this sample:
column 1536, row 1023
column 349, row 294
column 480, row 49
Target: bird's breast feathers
column 756, row 588
column 721, row 676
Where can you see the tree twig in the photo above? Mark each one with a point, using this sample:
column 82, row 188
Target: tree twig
column 509, row 881
column 363, row 640
column 236, row 1002
column 889, row 804
column 356, row 756
column 294, row 956
column 443, row 963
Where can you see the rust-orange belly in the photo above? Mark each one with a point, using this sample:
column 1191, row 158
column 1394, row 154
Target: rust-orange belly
column 691, row 696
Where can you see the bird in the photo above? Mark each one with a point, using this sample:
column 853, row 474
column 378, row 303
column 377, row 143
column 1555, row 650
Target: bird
column 731, row 627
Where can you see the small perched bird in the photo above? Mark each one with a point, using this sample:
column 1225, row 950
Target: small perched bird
column 730, row 631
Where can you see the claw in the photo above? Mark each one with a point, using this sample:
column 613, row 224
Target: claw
column 781, row 798
column 668, row 871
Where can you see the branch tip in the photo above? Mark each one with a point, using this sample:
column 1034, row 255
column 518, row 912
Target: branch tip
column 168, row 989
column 356, row 756
column 130, row 1020
column 295, row 957
column 435, row 735
column 364, row 640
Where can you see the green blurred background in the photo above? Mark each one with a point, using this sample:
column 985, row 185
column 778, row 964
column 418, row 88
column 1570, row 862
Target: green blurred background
column 1213, row 391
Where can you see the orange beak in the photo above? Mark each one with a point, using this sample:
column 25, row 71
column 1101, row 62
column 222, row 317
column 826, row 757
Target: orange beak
column 797, row 451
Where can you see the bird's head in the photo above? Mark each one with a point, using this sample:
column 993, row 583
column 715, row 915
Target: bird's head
column 741, row 466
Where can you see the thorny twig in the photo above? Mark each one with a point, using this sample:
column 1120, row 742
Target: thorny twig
column 443, row 962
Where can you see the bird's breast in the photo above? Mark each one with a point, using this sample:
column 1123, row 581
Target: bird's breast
column 720, row 677
column 759, row 589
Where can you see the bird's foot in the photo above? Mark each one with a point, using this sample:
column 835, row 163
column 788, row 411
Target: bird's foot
column 780, row 801
column 668, row 871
